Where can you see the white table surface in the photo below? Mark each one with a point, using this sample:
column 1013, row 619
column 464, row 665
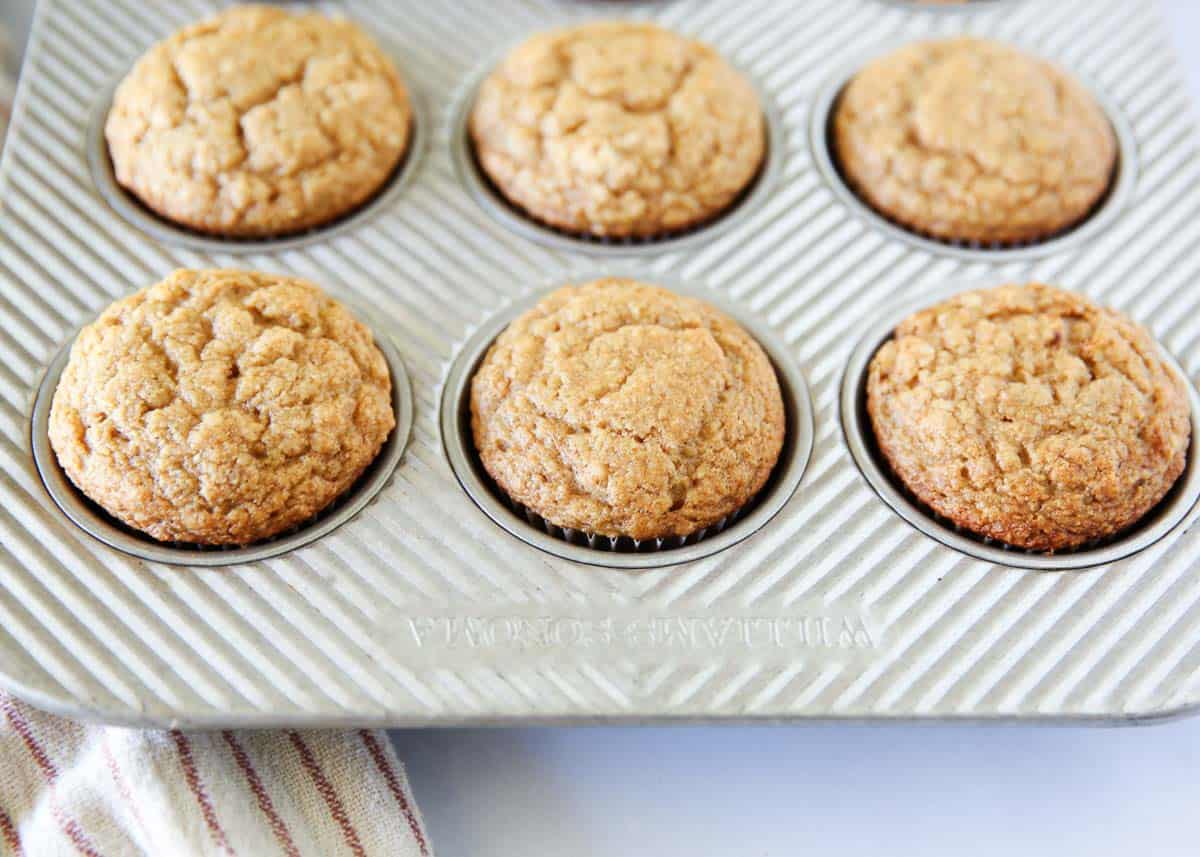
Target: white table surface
column 836, row 790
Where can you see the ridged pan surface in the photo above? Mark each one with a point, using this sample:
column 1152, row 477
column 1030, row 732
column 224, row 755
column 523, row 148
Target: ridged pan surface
column 421, row 609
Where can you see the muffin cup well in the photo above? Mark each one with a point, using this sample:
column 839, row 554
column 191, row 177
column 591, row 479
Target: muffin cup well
column 95, row 521
column 1165, row 517
column 511, row 216
column 623, row 552
column 619, row 544
column 1103, row 214
column 155, row 225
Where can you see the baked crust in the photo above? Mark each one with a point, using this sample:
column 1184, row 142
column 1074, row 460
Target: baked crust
column 622, row 409
column 221, row 407
column 618, row 130
column 1030, row 415
column 259, row 122
column 974, row 141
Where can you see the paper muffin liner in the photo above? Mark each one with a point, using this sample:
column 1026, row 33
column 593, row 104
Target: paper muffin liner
column 284, row 537
column 1082, row 548
column 623, row 544
column 619, row 243
column 983, row 247
column 344, row 508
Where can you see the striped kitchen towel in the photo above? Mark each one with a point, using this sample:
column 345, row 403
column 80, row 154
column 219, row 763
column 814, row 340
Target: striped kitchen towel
column 68, row 788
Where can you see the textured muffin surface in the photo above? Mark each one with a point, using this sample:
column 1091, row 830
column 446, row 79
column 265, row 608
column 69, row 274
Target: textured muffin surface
column 618, row 129
column 221, row 407
column 969, row 140
column 259, row 122
column 1029, row 414
column 623, row 409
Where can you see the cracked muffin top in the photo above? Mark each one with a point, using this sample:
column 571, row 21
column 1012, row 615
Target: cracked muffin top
column 259, row 122
column 974, row 141
column 623, row 409
column 1030, row 415
column 618, row 130
column 221, row 407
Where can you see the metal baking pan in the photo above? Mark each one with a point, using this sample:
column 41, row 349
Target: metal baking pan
column 428, row 607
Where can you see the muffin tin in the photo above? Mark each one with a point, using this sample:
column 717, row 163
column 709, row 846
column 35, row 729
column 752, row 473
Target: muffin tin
column 819, row 602
column 943, row 7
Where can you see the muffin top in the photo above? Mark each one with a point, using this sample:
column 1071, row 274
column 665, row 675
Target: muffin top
column 1029, row 414
column 220, row 407
column 974, row 141
column 618, row 129
column 259, row 122
column 622, row 409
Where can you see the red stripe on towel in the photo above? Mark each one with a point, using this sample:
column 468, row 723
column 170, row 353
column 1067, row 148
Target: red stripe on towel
column 260, row 794
column 122, row 787
column 11, row 838
column 184, row 748
column 393, row 782
column 336, row 810
column 66, row 823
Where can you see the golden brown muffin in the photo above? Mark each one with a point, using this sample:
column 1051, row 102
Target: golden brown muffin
column 259, row 122
column 618, row 130
column 622, row 409
column 221, row 407
column 1030, row 415
column 974, row 141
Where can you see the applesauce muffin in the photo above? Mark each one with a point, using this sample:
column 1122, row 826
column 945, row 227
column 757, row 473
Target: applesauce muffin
column 220, row 407
column 259, row 122
column 622, row 409
column 973, row 141
column 1030, row 415
column 618, row 130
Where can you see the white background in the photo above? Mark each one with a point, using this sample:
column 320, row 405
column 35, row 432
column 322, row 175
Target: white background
column 828, row 790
